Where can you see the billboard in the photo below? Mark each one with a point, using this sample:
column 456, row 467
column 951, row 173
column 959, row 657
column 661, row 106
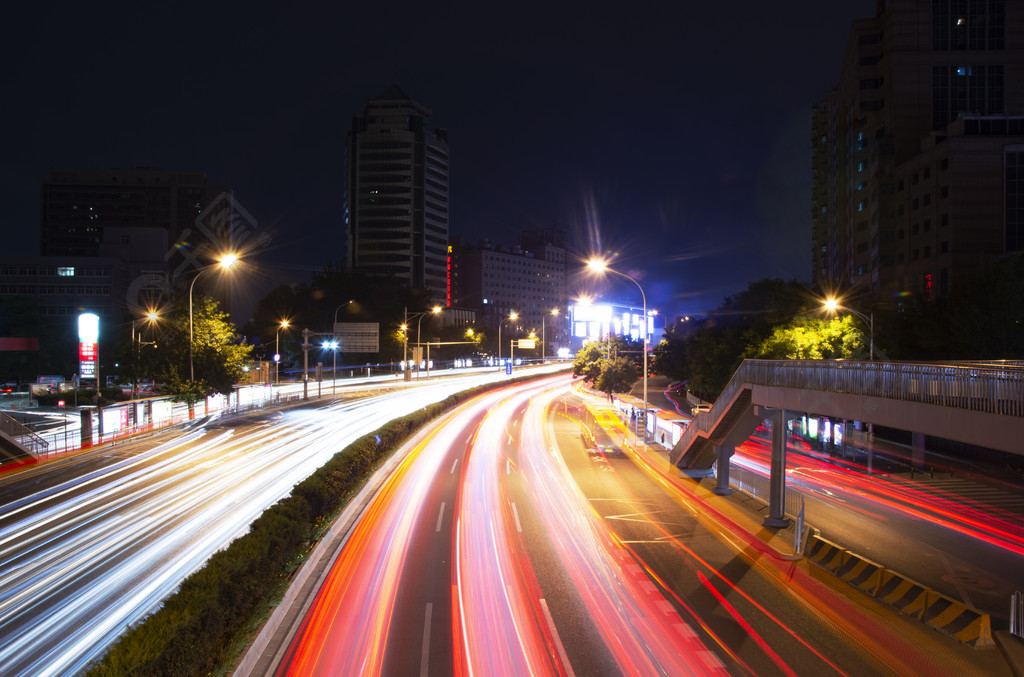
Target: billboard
column 357, row 337
column 88, row 345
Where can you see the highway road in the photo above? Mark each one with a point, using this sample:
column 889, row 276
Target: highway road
column 91, row 542
column 515, row 539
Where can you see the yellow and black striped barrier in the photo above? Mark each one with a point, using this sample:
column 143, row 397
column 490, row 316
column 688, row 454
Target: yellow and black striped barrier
column 825, row 554
column 968, row 625
column 860, row 572
column 906, row 595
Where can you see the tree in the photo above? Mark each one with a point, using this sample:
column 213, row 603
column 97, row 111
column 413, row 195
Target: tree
column 618, row 374
column 836, row 338
column 217, row 353
column 983, row 319
column 669, row 358
column 588, row 361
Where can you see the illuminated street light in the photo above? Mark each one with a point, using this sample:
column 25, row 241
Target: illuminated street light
column 225, row 262
column 436, row 310
column 832, row 305
column 543, row 333
column 150, row 317
column 277, row 351
column 601, row 266
column 511, row 316
column 333, row 346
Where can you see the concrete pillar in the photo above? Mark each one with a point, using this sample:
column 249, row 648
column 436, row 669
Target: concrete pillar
column 917, row 450
column 86, row 427
column 723, row 454
column 777, row 481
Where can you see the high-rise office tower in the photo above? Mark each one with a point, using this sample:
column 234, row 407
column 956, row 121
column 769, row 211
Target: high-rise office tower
column 396, row 204
column 918, row 150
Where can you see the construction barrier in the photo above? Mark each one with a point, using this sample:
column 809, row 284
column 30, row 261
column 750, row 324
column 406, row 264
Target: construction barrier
column 905, row 595
column 957, row 620
column 825, row 554
column 860, row 572
column 966, row 625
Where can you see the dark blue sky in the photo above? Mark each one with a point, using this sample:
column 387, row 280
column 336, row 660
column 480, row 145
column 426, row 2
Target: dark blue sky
column 675, row 134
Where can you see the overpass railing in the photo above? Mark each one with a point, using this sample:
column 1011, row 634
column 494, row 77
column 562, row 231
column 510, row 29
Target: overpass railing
column 990, row 387
column 22, row 435
column 994, row 387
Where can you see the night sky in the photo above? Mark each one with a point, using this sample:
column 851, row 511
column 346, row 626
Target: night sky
column 674, row 134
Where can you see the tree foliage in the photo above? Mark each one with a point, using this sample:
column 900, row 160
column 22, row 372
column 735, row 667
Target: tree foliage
column 836, row 338
column 218, row 354
column 588, row 361
column 617, row 375
column 601, row 364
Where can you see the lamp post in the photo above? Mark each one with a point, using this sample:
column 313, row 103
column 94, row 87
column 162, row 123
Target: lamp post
column 601, row 266
column 150, row 318
column 333, row 346
column 277, row 351
column 340, row 307
column 436, row 310
column 226, row 262
column 511, row 316
column 543, row 333
column 832, row 305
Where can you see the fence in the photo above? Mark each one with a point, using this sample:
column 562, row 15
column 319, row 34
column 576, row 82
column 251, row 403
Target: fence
column 22, row 435
column 990, row 387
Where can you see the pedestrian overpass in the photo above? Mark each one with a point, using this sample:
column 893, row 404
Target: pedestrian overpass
column 980, row 403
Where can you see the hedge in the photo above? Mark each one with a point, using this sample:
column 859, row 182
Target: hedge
column 191, row 633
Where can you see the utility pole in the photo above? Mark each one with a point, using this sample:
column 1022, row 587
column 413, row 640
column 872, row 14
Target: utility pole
column 306, row 333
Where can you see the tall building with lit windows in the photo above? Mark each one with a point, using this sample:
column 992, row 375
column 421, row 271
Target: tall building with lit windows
column 918, row 150
column 529, row 279
column 396, row 202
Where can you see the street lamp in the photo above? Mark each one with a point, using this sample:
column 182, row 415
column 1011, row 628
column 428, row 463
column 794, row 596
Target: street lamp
column 333, row 346
column 436, row 310
column 832, row 305
column 405, row 334
column 511, row 316
column 340, row 307
column 543, row 333
column 601, row 266
column 151, row 317
column 277, row 351
column 225, row 262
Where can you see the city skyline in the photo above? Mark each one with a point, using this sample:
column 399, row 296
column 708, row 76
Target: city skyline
column 678, row 139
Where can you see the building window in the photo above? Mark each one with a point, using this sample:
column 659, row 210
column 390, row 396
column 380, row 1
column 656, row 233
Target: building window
column 966, row 90
column 66, row 271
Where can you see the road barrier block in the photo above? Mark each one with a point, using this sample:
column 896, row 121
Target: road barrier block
column 825, row 554
column 860, row 572
column 958, row 620
column 907, row 596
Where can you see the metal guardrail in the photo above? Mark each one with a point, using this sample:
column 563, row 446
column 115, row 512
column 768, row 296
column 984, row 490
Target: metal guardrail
column 22, row 435
column 994, row 387
column 1017, row 614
